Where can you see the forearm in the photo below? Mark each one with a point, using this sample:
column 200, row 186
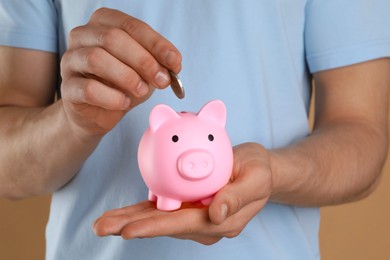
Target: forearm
column 40, row 153
column 339, row 163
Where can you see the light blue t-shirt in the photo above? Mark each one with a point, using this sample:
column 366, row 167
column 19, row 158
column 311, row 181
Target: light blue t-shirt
column 256, row 56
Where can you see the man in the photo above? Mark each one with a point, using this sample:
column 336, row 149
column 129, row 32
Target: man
column 258, row 57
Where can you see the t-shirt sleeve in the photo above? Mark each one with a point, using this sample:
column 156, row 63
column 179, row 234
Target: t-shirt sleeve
column 344, row 32
column 28, row 24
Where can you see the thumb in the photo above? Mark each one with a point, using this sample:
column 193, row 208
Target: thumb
column 249, row 187
column 224, row 204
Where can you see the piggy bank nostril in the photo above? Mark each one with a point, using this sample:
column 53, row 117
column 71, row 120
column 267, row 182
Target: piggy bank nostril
column 191, row 165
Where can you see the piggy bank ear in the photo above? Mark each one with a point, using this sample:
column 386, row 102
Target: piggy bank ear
column 159, row 115
column 216, row 110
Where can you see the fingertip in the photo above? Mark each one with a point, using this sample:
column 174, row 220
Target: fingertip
column 162, row 79
column 95, row 228
column 173, row 61
column 131, row 231
column 100, row 228
column 126, row 103
column 142, row 89
column 126, row 236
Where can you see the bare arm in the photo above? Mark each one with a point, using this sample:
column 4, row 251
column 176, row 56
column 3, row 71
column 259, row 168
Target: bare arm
column 342, row 160
column 114, row 62
column 38, row 151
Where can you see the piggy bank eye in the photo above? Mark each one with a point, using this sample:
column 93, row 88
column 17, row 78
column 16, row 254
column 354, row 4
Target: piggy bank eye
column 211, row 137
column 175, row 138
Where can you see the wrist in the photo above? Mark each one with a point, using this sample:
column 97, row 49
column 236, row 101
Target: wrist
column 289, row 173
column 276, row 163
column 77, row 132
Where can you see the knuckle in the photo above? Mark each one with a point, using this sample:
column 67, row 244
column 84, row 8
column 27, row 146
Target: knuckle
column 65, row 57
column 134, row 26
column 234, row 202
column 190, row 230
column 70, row 90
column 148, row 66
column 130, row 81
column 234, row 230
column 74, row 33
column 130, row 78
column 74, row 90
column 93, row 58
column 65, row 90
column 108, row 37
column 106, row 214
column 117, row 101
column 64, row 64
column 86, row 92
column 238, row 203
column 98, row 13
column 157, row 44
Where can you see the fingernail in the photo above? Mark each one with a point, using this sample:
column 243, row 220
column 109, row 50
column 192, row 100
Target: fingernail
column 224, row 211
column 126, row 103
column 94, row 230
column 162, row 79
column 142, row 89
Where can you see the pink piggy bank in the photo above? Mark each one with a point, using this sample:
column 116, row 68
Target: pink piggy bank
column 185, row 157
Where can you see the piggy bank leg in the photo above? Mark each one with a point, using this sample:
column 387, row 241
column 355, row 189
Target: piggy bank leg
column 152, row 197
column 206, row 201
column 167, row 204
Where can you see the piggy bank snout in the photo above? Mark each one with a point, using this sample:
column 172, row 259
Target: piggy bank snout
column 195, row 164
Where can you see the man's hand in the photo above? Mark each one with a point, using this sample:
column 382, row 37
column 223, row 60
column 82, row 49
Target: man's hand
column 228, row 214
column 113, row 64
